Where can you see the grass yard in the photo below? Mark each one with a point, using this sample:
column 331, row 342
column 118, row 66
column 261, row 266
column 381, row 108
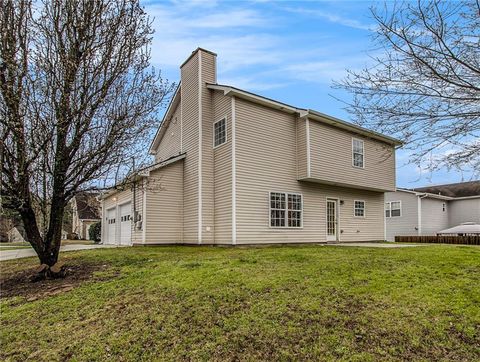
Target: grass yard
column 272, row 303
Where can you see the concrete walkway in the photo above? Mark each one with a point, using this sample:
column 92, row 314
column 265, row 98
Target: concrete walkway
column 379, row 245
column 25, row 253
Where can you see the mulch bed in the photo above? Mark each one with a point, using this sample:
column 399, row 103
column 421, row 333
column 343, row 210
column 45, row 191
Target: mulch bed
column 19, row 283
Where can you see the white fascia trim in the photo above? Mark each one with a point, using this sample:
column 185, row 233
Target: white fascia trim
column 165, row 121
column 432, row 196
column 199, row 147
column 144, row 211
column 307, row 126
column 234, row 177
column 227, row 90
column 146, row 171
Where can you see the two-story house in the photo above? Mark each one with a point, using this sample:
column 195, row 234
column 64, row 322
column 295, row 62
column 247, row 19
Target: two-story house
column 232, row 167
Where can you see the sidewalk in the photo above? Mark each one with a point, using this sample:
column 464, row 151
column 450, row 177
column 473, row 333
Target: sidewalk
column 25, row 253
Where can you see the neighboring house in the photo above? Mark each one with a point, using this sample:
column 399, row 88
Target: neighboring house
column 16, row 235
column 232, row 167
column 428, row 210
column 86, row 210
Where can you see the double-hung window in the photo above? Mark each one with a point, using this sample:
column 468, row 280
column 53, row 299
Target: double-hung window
column 393, row 209
column 358, row 154
column 359, row 208
column 219, row 132
column 286, row 209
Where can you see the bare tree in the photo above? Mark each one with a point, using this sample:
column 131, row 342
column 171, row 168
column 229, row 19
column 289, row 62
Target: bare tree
column 77, row 98
column 425, row 86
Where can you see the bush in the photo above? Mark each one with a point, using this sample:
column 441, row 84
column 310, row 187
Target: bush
column 95, row 231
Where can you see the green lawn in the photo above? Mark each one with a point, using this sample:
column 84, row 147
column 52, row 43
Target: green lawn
column 272, row 303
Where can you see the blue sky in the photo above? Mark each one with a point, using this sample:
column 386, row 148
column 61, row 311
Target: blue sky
column 289, row 51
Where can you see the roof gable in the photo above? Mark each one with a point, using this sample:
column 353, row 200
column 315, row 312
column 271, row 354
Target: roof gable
column 174, row 103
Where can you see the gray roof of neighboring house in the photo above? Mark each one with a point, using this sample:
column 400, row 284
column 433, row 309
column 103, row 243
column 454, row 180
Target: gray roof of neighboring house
column 88, row 207
column 461, row 189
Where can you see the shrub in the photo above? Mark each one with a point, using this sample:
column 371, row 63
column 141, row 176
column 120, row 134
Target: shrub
column 95, row 231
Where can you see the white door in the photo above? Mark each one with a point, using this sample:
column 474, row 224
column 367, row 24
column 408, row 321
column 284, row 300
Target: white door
column 110, row 228
column 125, row 224
column 332, row 220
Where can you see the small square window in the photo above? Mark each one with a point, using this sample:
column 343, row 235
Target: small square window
column 393, row 209
column 219, row 132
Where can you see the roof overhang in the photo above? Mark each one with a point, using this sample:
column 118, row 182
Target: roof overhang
column 427, row 194
column 232, row 91
column 138, row 175
column 343, row 184
column 336, row 122
column 165, row 120
column 304, row 113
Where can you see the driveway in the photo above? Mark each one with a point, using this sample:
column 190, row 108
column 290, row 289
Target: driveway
column 24, row 253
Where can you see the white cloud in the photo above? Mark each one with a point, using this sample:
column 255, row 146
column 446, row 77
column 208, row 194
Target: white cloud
column 333, row 18
column 251, row 54
column 251, row 84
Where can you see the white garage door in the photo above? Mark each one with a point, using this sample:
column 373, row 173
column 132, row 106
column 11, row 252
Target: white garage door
column 111, row 223
column 125, row 224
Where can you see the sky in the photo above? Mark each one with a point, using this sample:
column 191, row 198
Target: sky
column 289, row 51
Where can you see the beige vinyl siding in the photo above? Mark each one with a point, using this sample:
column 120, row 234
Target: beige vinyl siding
column 164, row 222
column 223, row 172
column 170, row 143
column 301, row 149
column 189, row 104
column 407, row 223
column 434, row 218
column 267, row 161
column 331, row 159
column 461, row 211
column 208, row 203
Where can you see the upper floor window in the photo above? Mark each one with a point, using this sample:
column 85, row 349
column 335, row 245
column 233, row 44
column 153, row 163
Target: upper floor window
column 358, row 153
column 359, row 208
column 393, row 209
column 219, row 132
column 285, row 210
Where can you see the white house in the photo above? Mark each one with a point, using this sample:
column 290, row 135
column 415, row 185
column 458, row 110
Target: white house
column 428, row 210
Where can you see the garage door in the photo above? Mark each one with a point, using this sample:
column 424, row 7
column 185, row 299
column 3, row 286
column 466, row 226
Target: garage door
column 111, row 223
column 125, row 224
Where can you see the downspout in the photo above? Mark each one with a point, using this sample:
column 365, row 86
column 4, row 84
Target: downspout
column 419, row 212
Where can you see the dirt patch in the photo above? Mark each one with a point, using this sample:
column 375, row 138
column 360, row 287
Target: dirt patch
column 20, row 284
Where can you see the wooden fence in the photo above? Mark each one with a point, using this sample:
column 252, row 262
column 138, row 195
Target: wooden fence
column 440, row 239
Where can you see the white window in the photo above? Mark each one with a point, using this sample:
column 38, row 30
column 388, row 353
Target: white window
column 359, row 208
column 357, row 153
column 393, row 209
column 285, row 210
column 219, row 132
